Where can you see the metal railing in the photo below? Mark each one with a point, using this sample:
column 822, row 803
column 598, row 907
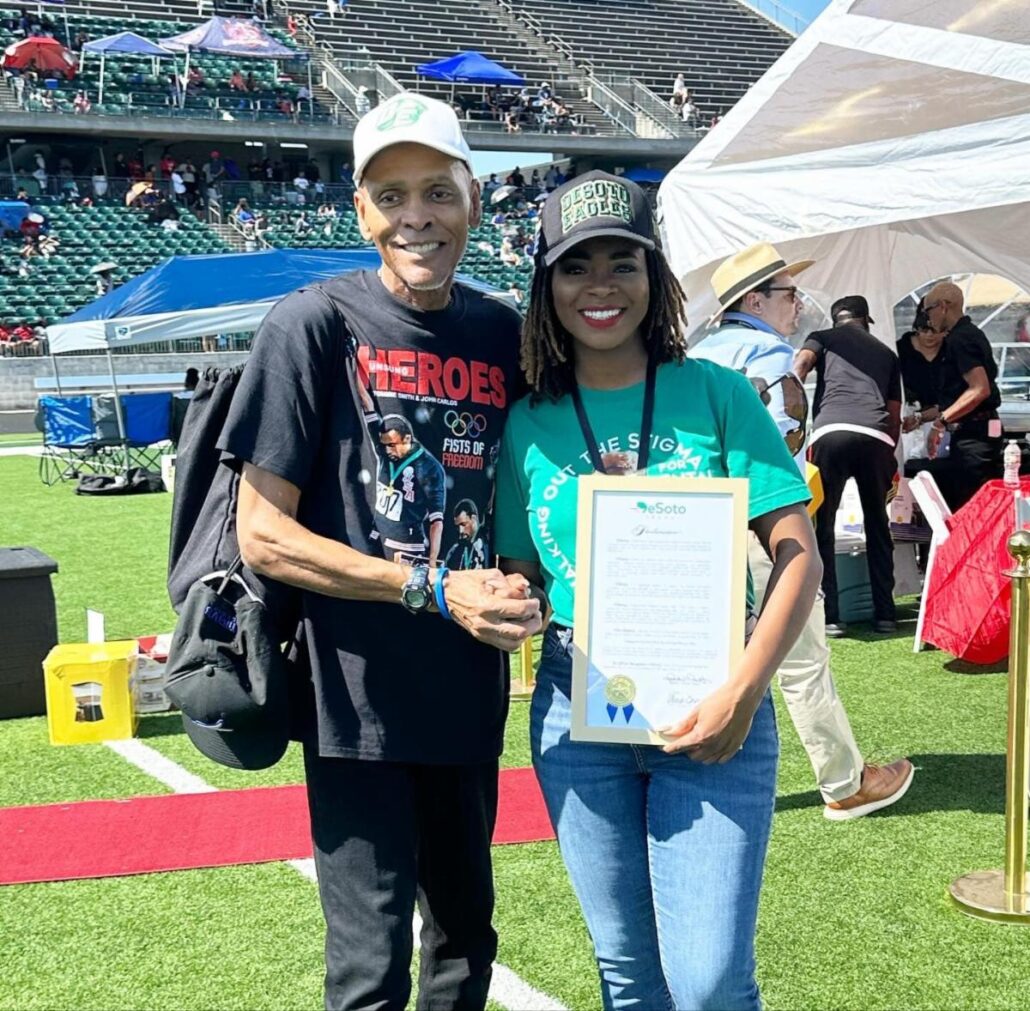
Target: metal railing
column 619, row 111
column 644, row 99
column 779, row 14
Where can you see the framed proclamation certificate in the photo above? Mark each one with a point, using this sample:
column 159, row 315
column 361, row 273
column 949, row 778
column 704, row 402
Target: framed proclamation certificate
column 661, row 579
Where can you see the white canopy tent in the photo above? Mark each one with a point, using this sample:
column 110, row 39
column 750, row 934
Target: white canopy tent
column 891, row 143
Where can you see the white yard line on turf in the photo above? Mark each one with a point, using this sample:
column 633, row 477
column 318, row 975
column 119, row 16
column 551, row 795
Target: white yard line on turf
column 506, row 988
column 21, row 450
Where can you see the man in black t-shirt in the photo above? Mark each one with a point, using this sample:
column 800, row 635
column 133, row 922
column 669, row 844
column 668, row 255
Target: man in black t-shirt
column 855, row 428
column 343, row 437
column 969, row 400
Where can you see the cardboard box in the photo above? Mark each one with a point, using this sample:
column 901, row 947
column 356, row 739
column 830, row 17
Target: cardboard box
column 90, row 692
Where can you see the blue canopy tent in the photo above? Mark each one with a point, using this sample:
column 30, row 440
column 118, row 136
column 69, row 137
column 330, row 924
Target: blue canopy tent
column 232, row 37
column 189, row 296
column 125, row 43
column 645, row 175
column 469, row 68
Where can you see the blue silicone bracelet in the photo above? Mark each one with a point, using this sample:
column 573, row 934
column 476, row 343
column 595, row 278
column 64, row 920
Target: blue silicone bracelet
column 441, row 602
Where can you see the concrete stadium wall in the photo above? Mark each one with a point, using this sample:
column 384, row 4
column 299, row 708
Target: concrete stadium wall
column 17, row 375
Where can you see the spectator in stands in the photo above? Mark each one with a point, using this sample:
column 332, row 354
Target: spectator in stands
column 99, row 182
column 285, row 104
column 304, row 96
column 195, row 77
column 167, row 164
column 191, row 379
column 243, row 216
column 490, row 185
column 80, row 40
column 260, row 224
column 302, row 225
column 690, row 113
column 188, row 171
column 250, row 83
column 178, row 185
column 544, row 92
column 361, row 101
column 82, row 104
column 291, row 25
column 70, row 191
column 22, row 194
column 236, row 82
column 508, row 255
column 105, row 279
column 516, row 179
column 679, row 88
column 121, row 167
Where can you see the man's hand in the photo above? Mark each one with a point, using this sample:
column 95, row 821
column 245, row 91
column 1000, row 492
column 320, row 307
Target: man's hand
column 910, row 422
column 492, row 607
column 715, row 730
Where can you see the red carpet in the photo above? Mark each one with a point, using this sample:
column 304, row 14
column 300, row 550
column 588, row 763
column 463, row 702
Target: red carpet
column 141, row 835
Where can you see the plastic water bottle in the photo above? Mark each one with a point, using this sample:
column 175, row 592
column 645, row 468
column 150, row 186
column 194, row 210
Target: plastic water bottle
column 1012, row 459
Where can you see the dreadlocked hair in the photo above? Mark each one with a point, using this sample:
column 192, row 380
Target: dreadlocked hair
column 548, row 357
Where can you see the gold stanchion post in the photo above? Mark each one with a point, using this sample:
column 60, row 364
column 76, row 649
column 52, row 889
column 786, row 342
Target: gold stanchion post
column 522, row 687
column 1003, row 896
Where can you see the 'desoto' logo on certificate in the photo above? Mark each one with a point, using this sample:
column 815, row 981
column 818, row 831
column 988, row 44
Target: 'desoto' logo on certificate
column 620, row 691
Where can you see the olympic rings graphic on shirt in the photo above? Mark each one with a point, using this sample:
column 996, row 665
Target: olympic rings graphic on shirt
column 472, row 425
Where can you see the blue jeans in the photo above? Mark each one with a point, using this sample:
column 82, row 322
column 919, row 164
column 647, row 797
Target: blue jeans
column 665, row 854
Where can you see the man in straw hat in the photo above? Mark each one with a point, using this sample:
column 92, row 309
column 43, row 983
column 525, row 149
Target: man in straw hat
column 759, row 308
column 409, row 691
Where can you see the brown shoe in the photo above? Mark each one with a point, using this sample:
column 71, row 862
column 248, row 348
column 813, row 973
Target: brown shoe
column 882, row 785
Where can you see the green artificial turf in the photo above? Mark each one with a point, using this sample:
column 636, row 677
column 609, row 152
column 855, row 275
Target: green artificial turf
column 853, row 915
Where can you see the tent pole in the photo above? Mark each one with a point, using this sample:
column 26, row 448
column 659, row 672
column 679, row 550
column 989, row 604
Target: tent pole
column 185, row 80
column 10, row 163
column 67, row 30
column 118, row 410
column 100, row 96
column 57, row 374
column 311, row 91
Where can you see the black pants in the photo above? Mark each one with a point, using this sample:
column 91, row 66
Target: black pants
column 388, row 834
column 839, row 456
column 973, row 459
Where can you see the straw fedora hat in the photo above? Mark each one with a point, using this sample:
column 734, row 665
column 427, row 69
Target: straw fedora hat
column 746, row 270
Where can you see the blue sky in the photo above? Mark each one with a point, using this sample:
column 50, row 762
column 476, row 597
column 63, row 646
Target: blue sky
column 808, row 9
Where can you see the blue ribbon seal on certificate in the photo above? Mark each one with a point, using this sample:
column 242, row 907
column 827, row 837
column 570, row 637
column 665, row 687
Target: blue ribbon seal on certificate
column 620, row 691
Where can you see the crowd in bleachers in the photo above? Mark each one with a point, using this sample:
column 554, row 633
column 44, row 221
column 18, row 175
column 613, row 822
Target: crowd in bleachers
column 538, row 109
column 222, row 86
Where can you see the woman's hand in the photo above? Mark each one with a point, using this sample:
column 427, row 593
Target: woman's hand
column 715, row 729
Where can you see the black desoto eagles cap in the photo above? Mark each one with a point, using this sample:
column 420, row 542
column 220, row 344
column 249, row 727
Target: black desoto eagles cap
column 227, row 674
column 592, row 205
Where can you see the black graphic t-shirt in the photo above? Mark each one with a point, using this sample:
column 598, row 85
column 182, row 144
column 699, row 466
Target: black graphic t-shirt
column 394, row 450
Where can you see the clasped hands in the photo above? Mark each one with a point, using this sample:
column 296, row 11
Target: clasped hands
column 496, row 609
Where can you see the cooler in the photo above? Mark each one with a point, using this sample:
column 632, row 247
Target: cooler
column 854, row 592
column 90, row 692
column 28, row 629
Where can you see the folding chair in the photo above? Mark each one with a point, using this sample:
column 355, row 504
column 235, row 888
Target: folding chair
column 938, row 514
column 69, row 438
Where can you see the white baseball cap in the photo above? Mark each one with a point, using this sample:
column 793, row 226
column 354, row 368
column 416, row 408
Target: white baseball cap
column 408, row 118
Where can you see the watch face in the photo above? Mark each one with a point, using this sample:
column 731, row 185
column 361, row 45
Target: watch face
column 416, row 598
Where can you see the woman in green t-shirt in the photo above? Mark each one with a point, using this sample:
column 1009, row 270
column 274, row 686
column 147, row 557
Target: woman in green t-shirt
column 664, row 845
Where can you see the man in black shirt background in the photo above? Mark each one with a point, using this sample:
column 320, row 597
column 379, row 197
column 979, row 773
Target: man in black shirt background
column 969, row 400
column 407, row 715
column 856, row 424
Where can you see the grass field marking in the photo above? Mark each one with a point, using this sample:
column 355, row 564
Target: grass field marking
column 157, row 766
column 305, row 867
column 506, row 987
column 21, row 450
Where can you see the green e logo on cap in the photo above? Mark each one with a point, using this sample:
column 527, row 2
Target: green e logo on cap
column 403, row 112
column 597, row 199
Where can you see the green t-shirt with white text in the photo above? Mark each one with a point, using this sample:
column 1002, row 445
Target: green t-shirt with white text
column 708, row 422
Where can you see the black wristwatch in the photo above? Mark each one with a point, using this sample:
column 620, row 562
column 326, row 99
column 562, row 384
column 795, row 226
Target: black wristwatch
column 416, row 594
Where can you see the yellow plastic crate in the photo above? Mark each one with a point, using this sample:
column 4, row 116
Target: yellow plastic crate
column 90, row 692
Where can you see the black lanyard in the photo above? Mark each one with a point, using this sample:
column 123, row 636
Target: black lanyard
column 644, row 450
